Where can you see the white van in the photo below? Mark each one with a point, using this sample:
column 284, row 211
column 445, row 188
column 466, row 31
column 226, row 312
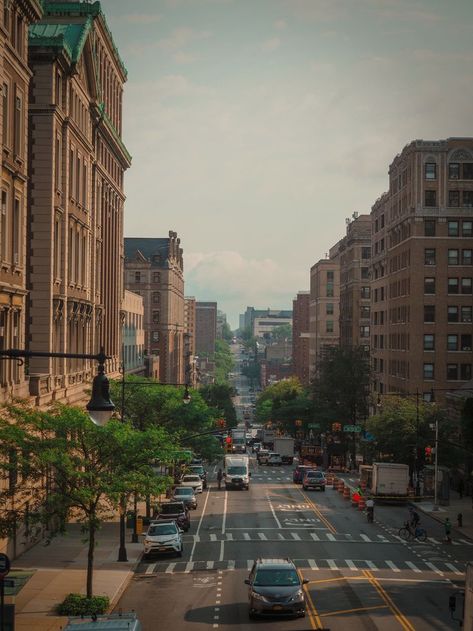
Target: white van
column 236, row 472
column 110, row 622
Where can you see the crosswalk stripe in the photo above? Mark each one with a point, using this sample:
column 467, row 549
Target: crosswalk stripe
column 433, row 567
column 351, row 565
column 314, row 536
column 382, row 538
column 197, row 538
column 213, row 537
column 466, row 542
column 393, row 566
column 412, row 566
column 453, row 568
column 432, row 540
column 170, row 568
column 150, row 569
column 330, row 537
column 365, row 538
column 189, row 567
column 229, row 536
column 295, row 536
column 281, row 536
column 313, row 565
column 371, row 565
column 332, row 565
column 210, row 565
column 246, row 536
column 262, row 536
column 231, row 565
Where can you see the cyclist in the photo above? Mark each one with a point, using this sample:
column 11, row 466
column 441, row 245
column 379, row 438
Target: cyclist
column 219, row 478
column 414, row 519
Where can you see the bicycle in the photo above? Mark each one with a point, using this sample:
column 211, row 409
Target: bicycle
column 407, row 534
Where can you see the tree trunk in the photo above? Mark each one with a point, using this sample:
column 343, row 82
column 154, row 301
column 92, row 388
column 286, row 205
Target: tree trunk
column 90, row 557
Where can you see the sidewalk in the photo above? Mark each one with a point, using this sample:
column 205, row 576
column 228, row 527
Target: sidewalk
column 60, row 568
column 457, row 505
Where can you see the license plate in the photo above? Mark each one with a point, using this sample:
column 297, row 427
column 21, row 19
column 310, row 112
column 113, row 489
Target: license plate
column 277, row 607
column 163, row 548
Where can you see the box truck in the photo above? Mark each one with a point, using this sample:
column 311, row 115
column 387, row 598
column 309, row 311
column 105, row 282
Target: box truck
column 239, row 441
column 390, row 480
column 236, row 472
column 284, row 445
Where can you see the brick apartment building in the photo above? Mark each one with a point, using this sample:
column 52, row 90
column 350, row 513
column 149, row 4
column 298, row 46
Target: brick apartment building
column 154, row 270
column 422, row 270
column 301, row 336
column 76, row 165
column 355, row 256
column 205, row 328
column 189, row 334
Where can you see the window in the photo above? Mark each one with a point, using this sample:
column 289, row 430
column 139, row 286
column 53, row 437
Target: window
column 467, row 229
column 330, row 293
column 364, row 331
column 452, row 228
column 430, row 171
column 467, row 257
column 454, row 199
column 71, row 172
column 365, row 311
column 58, row 89
column 329, row 327
column 365, row 253
column 452, row 314
column 330, row 276
column 78, row 180
column 468, row 199
column 57, row 164
column 466, row 285
column 6, row 15
column 429, row 313
column 365, row 292
column 85, row 184
column 454, row 171
column 429, row 342
column 137, row 277
column 57, row 247
column 16, row 229
column 156, row 277
column 156, row 317
column 17, row 144
column 429, row 256
column 5, row 122
column 468, row 170
column 156, row 297
column 365, row 273
column 430, row 199
column 465, row 372
column 429, row 285
column 428, row 371
column 465, row 343
column 19, row 34
column 453, row 286
column 452, row 342
column 466, row 314
column 155, row 336
column 329, row 308
column 429, row 228
column 453, row 257
column 452, row 372
column 3, row 226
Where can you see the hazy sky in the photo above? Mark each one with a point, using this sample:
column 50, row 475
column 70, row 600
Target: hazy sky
column 257, row 126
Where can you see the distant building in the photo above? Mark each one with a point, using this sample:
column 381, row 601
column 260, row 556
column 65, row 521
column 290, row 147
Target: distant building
column 205, row 328
column 264, row 325
column 221, row 323
column 189, row 340
column 251, row 313
column 301, row 336
column 324, row 307
column 133, row 334
column 154, row 270
column 355, row 259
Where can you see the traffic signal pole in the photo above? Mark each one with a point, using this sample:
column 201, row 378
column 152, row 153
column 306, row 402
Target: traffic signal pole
column 436, row 468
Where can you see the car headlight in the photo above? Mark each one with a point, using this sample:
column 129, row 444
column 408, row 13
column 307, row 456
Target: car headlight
column 148, row 541
column 258, row 596
column 299, row 595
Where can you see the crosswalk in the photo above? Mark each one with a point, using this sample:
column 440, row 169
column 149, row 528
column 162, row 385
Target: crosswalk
column 287, row 535
column 440, row 567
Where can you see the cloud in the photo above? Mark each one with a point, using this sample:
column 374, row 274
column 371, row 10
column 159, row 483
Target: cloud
column 140, row 18
column 180, row 38
column 184, row 58
column 271, row 44
column 280, row 25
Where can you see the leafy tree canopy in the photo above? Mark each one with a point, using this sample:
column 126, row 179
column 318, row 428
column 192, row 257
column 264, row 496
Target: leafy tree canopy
column 282, row 332
column 219, row 397
column 223, row 361
column 283, row 403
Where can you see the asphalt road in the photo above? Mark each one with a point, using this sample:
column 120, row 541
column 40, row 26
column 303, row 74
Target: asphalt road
column 362, row 577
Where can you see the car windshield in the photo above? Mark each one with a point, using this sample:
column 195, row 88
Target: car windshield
column 169, row 509
column 162, row 529
column 315, row 474
column 191, row 478
column 279, row 578
column 197, row 469
column 236, row 470
column 184, row 491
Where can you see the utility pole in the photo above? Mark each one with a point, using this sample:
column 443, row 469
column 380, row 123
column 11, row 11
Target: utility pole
column 436, row 468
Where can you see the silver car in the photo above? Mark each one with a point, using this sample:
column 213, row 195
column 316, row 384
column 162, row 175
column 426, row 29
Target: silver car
column 163, row 537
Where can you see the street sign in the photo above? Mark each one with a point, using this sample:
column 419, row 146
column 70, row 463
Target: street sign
column 313, row 426
column 352, row 428
column 4, row 565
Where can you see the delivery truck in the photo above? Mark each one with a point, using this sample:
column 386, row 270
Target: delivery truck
column 284, row 445
column 239, row 441
column 390, row 480
column 268, row 438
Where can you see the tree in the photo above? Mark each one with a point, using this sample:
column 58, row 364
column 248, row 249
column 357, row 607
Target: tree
column 223, row 361
column 282, row 332
column 70, row 466
column 283, row 403
column 219, row 397
column 227, row 334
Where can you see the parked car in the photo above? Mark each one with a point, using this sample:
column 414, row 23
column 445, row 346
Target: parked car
column 275, row 588
column 262, row 456
column 192, row 480
column 161, row 537
column 274, row 459
column 174, row 510
column 256, row 447
column 314, row 480
column 107, row 622
column 199, row 470
column 185, row 494
column 299, row 472
column 196, row 461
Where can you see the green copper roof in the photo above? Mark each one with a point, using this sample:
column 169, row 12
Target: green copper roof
column 70, row 37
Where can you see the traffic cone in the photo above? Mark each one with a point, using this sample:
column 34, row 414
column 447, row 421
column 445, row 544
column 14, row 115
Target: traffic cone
column 361, row 503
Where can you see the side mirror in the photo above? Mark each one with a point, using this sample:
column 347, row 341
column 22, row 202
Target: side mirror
column 247, row 581
column 305, row 581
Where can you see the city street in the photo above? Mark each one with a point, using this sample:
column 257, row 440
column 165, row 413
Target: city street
column 360, row 574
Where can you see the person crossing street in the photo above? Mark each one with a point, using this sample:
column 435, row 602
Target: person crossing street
column 219, row 478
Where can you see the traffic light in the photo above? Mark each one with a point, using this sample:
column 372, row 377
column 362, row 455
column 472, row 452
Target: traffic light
column 220, row 422
column 336, row 427
column 428, row 455
column 228, row 444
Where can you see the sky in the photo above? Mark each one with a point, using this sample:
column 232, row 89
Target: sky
column 257, row 126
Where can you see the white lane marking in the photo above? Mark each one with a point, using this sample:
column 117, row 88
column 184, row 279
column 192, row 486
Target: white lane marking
column 231, row 565
column 150, row 569
column 393, row 566
column 330, row 537
column 170, row 568
column 332, row 565
column 273, row 511
column 210, row 565
column 189, row 567
column 196, row 539
column 246, row 536
column 371, row 565
column 314, row 536
column 466, row 542
column 213, row 537
column 365, row 538
column 222, row 550
column 433, row 567
column 262, row 536
column 281, row 536
column 382, row 538
column 351, row 565
column 453, row 568
column 200, row 524
column 249, row 564
column 413, row 566
column 229, row 536
column 432, row 540
column 224, row 520
column 313, row 565
column 295, row 536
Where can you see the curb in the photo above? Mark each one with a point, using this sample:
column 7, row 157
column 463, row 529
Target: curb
column 441, row 521
column 120, row 591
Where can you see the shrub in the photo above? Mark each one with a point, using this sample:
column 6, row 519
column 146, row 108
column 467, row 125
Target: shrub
column 78, row 605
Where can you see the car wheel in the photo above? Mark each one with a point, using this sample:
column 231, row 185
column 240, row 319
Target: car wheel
column 179, row 554
column 304, row 487
column 323, row 490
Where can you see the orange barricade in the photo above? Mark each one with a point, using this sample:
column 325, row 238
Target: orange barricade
column 340, row 486
column 335, row 483
column 329, row 479
column 362, row 503
column 346, row 493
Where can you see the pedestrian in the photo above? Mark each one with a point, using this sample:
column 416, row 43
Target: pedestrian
column 461, row 487
column 219, row 478
column 448, row 531
column 370, row 509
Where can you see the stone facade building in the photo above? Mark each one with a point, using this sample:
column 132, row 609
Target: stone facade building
column 154, row 270
column 77, row 161
column 205, row 328
column 301, row 336
column 133, row 334
column 355, row 256
column 422, row 271
column 324, row 307
column 15, row 75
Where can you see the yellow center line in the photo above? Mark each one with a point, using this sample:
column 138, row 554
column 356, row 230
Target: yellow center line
column 339, row 578
column 358, row 610
column 403, row 621
column 314, row 617
column 323, row 519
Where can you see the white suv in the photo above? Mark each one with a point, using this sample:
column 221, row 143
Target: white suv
column 163, row 536
column 274, row 459
column 192, row 481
